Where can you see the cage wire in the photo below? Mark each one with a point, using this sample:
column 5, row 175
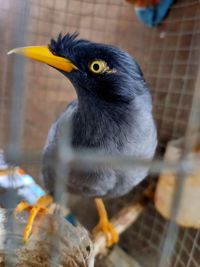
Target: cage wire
column 32, row 95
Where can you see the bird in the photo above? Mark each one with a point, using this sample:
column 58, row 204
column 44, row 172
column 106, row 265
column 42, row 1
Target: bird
column 112, row 113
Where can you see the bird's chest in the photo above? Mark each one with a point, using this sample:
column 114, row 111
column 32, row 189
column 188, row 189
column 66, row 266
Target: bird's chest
column 102, row 133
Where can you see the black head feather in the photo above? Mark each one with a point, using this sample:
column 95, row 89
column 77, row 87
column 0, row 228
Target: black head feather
column 121, row 85
column 65, row 44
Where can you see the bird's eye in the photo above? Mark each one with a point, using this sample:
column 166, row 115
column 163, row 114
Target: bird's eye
column 98, row 66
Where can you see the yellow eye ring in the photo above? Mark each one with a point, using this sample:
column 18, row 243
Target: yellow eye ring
column 98, row 66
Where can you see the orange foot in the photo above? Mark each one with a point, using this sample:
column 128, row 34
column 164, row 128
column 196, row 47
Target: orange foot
column 40, row 207
column 104, row 225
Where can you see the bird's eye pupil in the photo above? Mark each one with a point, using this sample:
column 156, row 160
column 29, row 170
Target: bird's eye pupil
column 96, row 67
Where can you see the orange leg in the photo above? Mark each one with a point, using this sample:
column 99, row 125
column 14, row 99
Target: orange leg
column 104, row 225
column 40, row 207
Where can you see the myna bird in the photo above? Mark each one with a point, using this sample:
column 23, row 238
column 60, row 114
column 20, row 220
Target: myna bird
column 112, row 113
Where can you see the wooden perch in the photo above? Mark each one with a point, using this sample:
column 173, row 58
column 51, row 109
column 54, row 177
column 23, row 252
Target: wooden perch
column 123, row 220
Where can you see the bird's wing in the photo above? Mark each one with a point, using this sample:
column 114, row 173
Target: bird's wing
column 50, row 148
column 66, row 114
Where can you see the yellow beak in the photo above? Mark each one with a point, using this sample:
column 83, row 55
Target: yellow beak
column 43, row 54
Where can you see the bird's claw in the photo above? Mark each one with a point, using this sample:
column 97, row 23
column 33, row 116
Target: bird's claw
column 108, row 230
column 40, row 207
column 23, row 205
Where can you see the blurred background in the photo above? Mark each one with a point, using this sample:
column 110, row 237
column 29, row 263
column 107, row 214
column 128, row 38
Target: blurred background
column 169, row 55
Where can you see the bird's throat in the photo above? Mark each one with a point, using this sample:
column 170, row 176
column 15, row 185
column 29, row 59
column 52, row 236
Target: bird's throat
column 98, row 123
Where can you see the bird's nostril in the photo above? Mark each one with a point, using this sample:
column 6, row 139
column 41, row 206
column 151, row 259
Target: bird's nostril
column 54, row 53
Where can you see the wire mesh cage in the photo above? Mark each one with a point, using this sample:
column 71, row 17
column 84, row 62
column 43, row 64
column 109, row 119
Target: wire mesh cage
column 32, row 96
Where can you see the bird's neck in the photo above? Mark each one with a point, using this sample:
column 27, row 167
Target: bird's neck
column 97, row 123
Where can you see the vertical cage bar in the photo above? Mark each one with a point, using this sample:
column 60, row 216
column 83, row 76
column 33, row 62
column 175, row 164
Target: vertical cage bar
column 17, row 82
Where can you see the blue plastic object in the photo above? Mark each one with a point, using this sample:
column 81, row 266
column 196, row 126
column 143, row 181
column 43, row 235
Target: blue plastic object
column 72, row 219
column 153, row 15
column 20, row 186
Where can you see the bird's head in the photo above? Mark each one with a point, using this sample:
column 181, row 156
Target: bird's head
column 98, row 70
